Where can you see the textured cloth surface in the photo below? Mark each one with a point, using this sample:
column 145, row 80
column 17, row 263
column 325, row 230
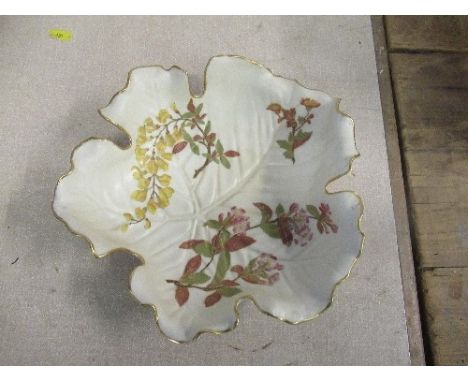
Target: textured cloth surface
column 60, row 305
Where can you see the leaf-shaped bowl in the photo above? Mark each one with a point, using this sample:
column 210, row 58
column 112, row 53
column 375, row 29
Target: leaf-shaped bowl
column 222, row 196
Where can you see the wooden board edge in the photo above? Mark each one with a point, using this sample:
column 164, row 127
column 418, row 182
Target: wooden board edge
column 413, row 318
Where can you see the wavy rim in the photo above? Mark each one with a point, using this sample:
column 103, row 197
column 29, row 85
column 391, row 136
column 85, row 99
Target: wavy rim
column 239, row 300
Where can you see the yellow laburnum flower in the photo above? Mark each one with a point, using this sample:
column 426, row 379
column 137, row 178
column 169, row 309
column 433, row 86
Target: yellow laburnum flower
column 160, row 145
column 140, row 154
column 164, row 180
column 128, row 216
column 143, row 183
column 139, row 213
column 137, row 174
column 174, row 107
column 167, row 156
column 151, row 166
column 124, row 227
column 149, row 126
column 152, row 206
column 141, row 130
column 140, row 151
column 147, row 224
column 148, row 122
column 141, row 139
column 162, row 164
column 167, row 192
column 164, row 196
column 177, row 134
column 163, row 116
column 139, row 195
column 169, row 140
column 163, row 201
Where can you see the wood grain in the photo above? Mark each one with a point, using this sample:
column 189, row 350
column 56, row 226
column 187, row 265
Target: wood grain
column 446, row 293
column 408, row 276
column 432, row 99
column 446, row 33
column 429, row 67
column 441, row 234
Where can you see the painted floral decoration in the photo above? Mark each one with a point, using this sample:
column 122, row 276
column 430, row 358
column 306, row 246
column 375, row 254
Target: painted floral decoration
column 157, row 141
column 222, row 197
column 295, row 122
column 230, row 235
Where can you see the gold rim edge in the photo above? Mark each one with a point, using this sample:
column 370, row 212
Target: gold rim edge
column 141, row 258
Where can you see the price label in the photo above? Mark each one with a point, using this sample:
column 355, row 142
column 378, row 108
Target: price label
column 60, row 34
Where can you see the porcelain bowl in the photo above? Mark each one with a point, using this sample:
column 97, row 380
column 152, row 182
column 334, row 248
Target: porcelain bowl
column 222, row 196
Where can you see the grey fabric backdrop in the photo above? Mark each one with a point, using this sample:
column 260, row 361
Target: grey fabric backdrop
column 59, row 305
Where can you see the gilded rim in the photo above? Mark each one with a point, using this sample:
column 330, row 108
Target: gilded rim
column 140, row 257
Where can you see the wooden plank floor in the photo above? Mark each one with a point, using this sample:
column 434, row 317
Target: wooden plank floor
column 429, row 69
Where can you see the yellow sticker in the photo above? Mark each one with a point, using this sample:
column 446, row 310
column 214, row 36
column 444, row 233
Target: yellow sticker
column 60, row 34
